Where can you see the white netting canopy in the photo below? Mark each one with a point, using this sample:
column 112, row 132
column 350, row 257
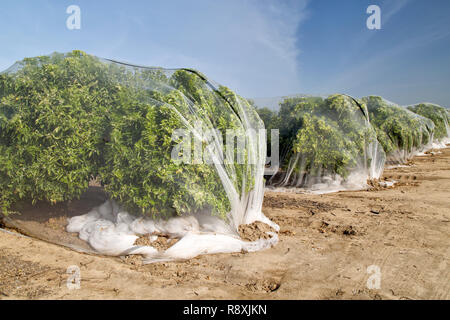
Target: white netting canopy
column 112, row 152
column 326, row 143
column 402, row 133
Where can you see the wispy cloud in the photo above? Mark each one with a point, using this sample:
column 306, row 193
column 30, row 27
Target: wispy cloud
column 357, row 72
column 250, row 46
column 354, row 76
column 390, row 8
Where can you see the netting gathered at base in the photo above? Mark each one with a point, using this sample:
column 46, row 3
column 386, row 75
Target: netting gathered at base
column 440, row 117
column 326, row 143
column 117, row 151
column 116, row 159
column 402, row 133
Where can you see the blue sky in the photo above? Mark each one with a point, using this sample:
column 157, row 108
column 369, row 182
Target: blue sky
column 258, row 48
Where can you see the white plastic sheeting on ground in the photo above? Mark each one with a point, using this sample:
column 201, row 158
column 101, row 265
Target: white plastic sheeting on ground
column 111, row 231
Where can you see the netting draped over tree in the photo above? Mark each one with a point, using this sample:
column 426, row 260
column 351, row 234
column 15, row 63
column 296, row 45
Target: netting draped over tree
column 402, row 133
column 326, row 143
column 150, row 147
column 440, row 117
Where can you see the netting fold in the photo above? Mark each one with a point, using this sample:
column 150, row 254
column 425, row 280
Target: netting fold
column 440, row 118
column 326, row 143
column 402, row 133
column 112, row 152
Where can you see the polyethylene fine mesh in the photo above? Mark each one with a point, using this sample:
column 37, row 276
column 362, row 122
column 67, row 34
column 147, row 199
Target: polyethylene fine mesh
column 138, row 151
column 326, row 144
column 441, row 119
column 402, row 133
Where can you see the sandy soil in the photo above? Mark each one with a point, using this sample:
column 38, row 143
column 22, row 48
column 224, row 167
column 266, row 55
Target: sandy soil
column 327, row 242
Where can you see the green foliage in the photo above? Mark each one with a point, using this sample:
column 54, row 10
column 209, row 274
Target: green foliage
column 144, row 177
column 271, row 122
column 65, row 119
column 439, row 115
column 51, row 129
column 268, row 117
column 329, row 135
column 396, row 127
column 333, row 134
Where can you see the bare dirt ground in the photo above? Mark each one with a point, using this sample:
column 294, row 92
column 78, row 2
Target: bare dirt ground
column 327, row 242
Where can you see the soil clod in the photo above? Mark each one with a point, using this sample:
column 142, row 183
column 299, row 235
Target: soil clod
column 255, row 231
